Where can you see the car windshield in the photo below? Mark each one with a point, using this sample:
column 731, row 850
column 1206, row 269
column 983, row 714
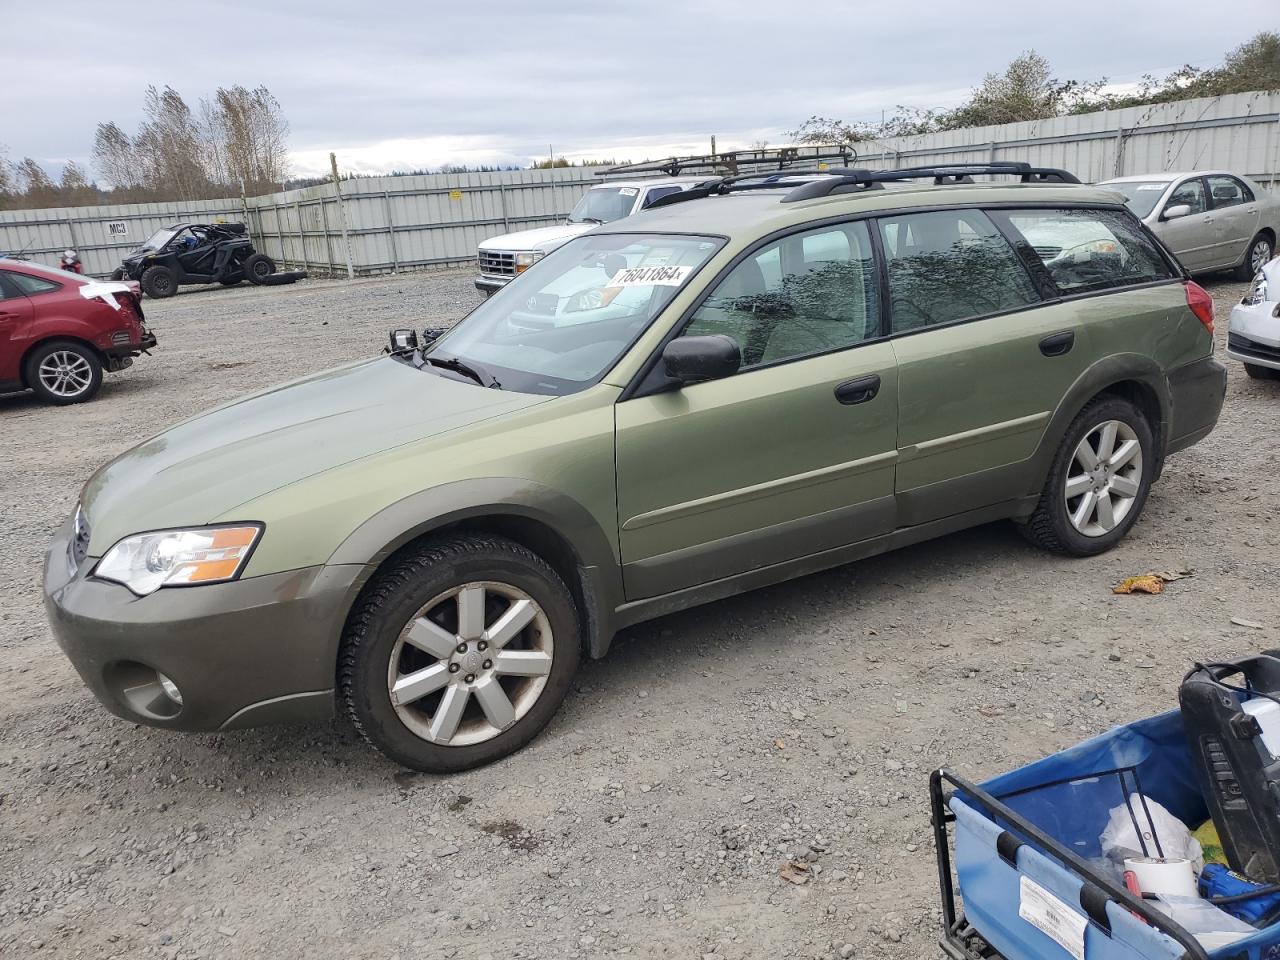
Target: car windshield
column 560, row 326
column 604, row 204
column 159, row 238
column 1140, row 196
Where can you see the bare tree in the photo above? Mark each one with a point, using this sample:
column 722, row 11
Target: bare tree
column 75, row 189
column 39, row 190
column 250, row 127
column 169, row 147
column 114, row 157
column 7, row 186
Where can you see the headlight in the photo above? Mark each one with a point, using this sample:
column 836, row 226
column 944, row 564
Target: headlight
column 148, row 561
column 1257, row 293
column 592, row 299
column 527, row 259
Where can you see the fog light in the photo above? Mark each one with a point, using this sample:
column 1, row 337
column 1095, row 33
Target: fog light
column 170, row 688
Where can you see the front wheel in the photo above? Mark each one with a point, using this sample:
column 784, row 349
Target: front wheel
column 117, row 273
column 64, row 372
column 1261, row 250
column 1098, row 482
column 159, row 282
column 459, row 653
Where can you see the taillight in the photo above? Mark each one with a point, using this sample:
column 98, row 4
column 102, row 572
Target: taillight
column 1201, row 303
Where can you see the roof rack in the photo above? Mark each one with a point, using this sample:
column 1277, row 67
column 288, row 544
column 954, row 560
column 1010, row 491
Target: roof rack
column 845, row 181
column 733, row 162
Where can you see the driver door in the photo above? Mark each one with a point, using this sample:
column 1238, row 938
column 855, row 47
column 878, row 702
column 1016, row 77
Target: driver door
column 198, row 260
column 1191, row 238
column 791, row 456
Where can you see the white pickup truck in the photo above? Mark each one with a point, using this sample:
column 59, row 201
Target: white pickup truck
column 502, row 258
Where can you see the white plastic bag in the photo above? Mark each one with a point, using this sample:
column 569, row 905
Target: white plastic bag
column 1119, row 839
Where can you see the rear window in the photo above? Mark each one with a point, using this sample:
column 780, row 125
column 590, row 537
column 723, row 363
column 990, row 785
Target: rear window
column 1085, row 250
column 31, row 285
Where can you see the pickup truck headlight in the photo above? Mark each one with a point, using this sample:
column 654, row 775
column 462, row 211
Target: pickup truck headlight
column 146, row 562
column 527, row 259
column 1257, row 293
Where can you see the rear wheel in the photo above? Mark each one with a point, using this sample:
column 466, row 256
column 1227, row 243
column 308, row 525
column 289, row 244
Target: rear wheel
column 159, row 282
column 64, row 372
column 1261, row 373
column 459, row 653
column 1098, row 482
column 1261, row 249
column 257, row 266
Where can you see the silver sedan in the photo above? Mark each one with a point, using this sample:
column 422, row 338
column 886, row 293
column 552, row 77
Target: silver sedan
column 1211, row 221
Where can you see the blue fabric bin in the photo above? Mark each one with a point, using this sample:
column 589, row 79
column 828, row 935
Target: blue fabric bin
column 1033, row 830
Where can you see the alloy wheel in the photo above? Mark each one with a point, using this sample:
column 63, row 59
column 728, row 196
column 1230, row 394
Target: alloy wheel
column 65, row 373
column 1259, row 255
column 470, row 663
column 1104, row 478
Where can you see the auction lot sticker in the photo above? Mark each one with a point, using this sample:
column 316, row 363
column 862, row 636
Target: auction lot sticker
column 650, row 277
column 1052, row 917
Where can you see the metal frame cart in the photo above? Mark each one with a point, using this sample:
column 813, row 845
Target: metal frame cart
column 1028, row 866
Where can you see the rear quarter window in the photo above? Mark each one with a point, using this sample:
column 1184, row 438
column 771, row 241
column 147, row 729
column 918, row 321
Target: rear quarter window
column 28, row 285
column 1085, row 250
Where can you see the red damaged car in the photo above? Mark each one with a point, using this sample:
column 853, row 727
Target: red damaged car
column 59, row 331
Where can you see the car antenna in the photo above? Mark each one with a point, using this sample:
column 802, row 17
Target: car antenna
column 19, row 254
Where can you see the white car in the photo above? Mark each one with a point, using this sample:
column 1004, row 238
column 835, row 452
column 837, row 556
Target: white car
column 503, row 258
column 1253, row 335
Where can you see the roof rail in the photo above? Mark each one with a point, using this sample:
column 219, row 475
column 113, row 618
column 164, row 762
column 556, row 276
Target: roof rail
column 733, row 162
column 844, row 181
column 760, row 180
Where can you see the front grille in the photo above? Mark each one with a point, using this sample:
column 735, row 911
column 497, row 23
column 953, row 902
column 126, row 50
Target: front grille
column 1046, row 252
column 497, row 264
column 1252, row 348
column 120, row 338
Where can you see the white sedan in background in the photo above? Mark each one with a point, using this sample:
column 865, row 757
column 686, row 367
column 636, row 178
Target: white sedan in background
column 1253, row 335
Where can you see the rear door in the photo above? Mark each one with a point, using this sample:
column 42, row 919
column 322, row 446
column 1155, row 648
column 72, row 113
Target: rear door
column 1235, row 215
column 982, row 362
column 15, row 316
column 791, row 456
column 1191, row 238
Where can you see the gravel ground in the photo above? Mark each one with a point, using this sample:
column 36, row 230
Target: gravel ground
column 652, row 817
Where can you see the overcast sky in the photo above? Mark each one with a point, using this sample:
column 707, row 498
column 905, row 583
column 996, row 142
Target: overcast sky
column 398, row 84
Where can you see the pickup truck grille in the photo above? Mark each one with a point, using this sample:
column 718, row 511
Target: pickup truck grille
column 497, row 264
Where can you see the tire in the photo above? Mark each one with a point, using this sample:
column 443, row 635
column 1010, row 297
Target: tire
column 1257, row 372
column 63, row 372
column 159, row 282
column 1261, row 249
column 1051, row 526
column 117, row 273
column 375, row 654
column 257, row 266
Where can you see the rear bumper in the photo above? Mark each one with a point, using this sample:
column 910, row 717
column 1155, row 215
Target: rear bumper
column 1196, row 392
column 241, row 654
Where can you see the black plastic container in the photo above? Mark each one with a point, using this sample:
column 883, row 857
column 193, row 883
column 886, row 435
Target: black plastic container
column 1238, row 775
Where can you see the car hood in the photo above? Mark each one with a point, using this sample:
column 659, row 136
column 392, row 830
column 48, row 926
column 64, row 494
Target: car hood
column 544, row 238
column 202, row 468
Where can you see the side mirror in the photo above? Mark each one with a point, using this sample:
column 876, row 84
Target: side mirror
column 1176, row 211
column 695, row 359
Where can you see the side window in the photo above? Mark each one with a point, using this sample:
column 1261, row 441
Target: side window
column 1191, row 193
column 1090, row 249
column 950, row 265
column 31, row 285
column 805, row 294
column 657, row 193
column 1226, row 191
column 8, row 291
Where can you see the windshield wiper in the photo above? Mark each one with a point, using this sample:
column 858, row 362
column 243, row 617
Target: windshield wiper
column 588, row 220
column 476, row 373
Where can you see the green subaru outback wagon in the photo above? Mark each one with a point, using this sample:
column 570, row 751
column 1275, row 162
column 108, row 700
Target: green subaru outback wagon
column 772, row 376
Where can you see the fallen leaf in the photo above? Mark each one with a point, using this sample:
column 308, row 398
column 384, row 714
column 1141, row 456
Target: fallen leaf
column 1146, row 583
column 780, row 743
column 1242, row 622
column 1168, row 576
column 796, row 872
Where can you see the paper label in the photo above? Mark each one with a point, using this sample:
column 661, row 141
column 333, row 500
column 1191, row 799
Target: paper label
column 628, row 191
column 650, row 277
column 1052, row 917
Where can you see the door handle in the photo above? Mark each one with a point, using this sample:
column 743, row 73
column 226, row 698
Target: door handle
column 858, row 391
column 1207, row 220
column 1055, row 345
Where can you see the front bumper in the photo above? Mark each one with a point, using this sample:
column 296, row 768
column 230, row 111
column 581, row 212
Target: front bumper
column 487, row 285
column 1253, row 334
column 244, row 653
column 1196, row 391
